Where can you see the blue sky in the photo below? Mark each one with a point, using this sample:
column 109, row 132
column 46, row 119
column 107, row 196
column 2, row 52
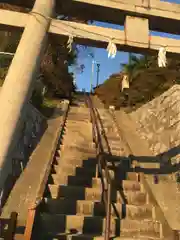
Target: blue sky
column 107, row 66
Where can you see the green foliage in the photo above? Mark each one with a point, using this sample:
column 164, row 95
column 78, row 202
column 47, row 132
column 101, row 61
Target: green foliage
column 8, row 43
column 147, row 82
column 3, row 72
column 5, row 60
column 72, row 58
column 37, row 99
column 136, row 65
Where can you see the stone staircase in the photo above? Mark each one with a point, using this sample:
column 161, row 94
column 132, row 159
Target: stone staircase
column 73, row 206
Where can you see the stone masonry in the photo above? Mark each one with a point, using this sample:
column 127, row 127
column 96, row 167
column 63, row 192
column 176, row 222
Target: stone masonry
column 32, row 129
column 159, row 124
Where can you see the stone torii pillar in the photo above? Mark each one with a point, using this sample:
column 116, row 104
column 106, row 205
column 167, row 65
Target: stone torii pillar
column 20, row 79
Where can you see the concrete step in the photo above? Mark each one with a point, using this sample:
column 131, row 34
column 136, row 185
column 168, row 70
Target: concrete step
column 111, row 132
column 75, row 140
column 87, row 181
column 60, row 223
column 135, row 197
column 120, row 173
column 81, row 112
column 74, row 154
column 79, row 109
column 113, row 138
column 95, row 194
column 70, row 169
column 77, row 148
column 74, row 192
column 78, row 117
column 133, row 176
column 72, row 117
column 70, row 160
column 75, row 144
column 77, row 123
column 111, row 135
column 115, row 150
column 76, row 133
column 88, row 163
column 65, row 168
column 91, row 208
column 108, row 125
column 130, row 185
column 76, row 170
column 115, row 144
column 79, row 236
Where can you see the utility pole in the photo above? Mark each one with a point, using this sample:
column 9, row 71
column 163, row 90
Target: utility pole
column 92, row 70
column 98, row 70
column 92, row 74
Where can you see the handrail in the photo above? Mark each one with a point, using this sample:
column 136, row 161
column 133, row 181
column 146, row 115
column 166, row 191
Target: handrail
column 176, row 234
column 34, row 208
column 11, row 222
column 102, row 165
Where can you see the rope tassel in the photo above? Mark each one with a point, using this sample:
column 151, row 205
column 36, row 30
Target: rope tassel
column 125, row 82
column 111, row 49
column 162, row 61
column 69, row 43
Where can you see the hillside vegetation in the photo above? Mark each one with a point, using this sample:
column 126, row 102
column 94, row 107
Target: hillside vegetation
column 147, row 81
column 54, row 79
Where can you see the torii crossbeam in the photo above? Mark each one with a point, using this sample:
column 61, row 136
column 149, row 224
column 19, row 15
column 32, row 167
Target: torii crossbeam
column 163, row 16
column 96, row 36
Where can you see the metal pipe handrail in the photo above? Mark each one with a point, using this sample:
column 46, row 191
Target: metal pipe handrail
column 98, row 139
column 102, row 165
column 34, row 208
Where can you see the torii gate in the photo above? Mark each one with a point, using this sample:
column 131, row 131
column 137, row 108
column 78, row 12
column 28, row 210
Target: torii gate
column 139, row 16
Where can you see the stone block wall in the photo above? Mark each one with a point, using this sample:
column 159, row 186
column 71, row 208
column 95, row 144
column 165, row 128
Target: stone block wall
column 32, row 130
column 159, row 123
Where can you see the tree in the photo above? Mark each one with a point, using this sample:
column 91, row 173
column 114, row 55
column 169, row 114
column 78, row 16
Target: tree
column 137, row 64
column 56, row 61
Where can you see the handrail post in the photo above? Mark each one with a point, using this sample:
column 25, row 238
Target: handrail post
column 31, row 218
column 108, row 213
column 11, row 226
column 30, row 224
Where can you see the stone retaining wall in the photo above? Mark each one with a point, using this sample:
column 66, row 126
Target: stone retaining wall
column 159, row 123
column 30, row 182
column 32, row 130
column 164, row 194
